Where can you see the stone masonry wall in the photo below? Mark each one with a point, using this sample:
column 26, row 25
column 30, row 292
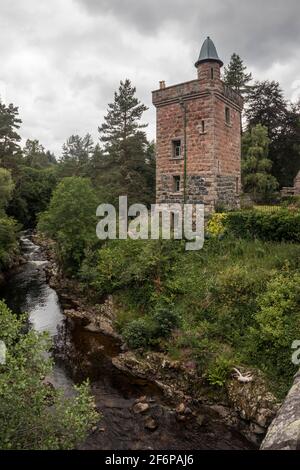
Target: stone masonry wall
column 212, row 145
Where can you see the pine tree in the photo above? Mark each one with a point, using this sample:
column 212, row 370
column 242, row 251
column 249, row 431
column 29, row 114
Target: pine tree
column 78, row 149
column 123, row 117
column 36, row 156
column 126, row 147
column 9, row 137
column 235, row 75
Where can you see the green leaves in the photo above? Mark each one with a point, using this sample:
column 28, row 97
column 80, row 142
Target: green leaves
column 71, row 221
column 34, row 415
column 235, row 74
column 256, row 167
column 9, row 246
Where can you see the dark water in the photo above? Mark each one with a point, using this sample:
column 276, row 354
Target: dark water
column 82, row 354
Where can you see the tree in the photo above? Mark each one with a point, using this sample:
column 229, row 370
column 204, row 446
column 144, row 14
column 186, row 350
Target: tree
column 34, row 415
column 256, row 166
column 9, row 137
column 9, row 244
column 285, row 149
column 33, row 190
column 76, row 155
column 123, row 117
column 266, row 106
column 35, row 155
column 78, row 149
column 71, row 221
column 126, row 149
column 235, row 75
column 6, row 188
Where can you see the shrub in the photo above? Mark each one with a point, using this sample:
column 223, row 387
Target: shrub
column 124, row 263
column 33, row 415
column 278, row 325
column 8, row 241
column 216, row 224
column 293, row 201
column 281, row 225
column 166, row 319
column 139, row 333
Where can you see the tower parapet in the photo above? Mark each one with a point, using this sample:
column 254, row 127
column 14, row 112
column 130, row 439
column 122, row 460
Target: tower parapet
column 199, row 137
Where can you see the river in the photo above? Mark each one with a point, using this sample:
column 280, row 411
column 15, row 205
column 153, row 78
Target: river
column 84, row 354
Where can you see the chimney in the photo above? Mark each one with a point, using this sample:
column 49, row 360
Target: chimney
column 162, row 85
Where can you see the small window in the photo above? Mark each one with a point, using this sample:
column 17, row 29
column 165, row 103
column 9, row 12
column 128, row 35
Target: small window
column 202, row 126
column 176, row 148
column 227, row 115
column 176, row 183
column 212, row 73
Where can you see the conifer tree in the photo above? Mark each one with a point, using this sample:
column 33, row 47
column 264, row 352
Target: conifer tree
column 123, row 117
column 9, row 137
column 125, row 145
column 256, row 166
column 235, row 75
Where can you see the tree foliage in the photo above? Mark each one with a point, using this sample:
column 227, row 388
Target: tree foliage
column 256, row 166
column 236, row 75
column 71, row 220
column 35, row 155
column 9, row 137
column 32, row 414
column 267, row 106
column 6, row 188
column 128, row 155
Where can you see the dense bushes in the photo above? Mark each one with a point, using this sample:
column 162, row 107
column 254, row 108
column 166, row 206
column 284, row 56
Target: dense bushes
column 32, row 414
column 8, row 241
column 123, row 263
column 280, row 225
column 213, row 306
column 147, row 330
column 8, row 227
column 277, row 325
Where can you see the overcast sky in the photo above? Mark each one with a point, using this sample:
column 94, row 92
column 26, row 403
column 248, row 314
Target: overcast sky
column 61, row 60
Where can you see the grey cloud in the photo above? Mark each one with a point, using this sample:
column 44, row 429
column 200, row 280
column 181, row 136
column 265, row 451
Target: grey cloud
column 262, row 31
column 62, row 60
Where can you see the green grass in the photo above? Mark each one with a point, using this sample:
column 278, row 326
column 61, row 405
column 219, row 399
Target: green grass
column 223, row 296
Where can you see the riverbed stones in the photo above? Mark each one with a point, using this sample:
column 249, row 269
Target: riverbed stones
column 140, row 408
column 150, row 423
column 180, row 408
column 141, row 399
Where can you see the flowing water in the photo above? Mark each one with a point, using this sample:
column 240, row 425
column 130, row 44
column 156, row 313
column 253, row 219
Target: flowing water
column 83, row 354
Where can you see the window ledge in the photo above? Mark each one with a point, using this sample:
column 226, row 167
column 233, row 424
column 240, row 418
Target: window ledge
column 227, row 124
column 176, row 158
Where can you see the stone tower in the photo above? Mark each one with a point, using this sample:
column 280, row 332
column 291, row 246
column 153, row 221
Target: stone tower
column 199, row 138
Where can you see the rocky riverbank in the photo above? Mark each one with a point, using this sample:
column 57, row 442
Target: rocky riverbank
column 245, row 405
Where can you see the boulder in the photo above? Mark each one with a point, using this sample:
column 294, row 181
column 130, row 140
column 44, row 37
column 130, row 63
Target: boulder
column 140, row 408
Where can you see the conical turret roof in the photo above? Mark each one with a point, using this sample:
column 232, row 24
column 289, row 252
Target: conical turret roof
column 208, row 53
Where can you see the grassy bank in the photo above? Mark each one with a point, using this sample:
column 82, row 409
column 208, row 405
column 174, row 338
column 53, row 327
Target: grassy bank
column 235, row 302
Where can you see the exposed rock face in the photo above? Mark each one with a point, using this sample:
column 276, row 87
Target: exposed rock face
column 284, row 432
column 248, row 408
column 253, row 402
